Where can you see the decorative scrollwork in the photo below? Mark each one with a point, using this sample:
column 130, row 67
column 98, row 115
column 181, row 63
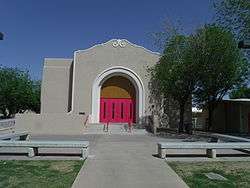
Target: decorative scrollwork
column 118, row 43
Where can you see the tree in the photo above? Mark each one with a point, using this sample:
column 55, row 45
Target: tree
column 16, row 91
column 1, row 36
column 168, row 31
column 235, row 16
column 174, row 74
column 241, row 92
column 36, row 99
column 221, row 66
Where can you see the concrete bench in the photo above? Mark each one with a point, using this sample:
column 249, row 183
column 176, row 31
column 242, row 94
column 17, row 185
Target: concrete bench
column 15, row 136
column 33, row 146
column 229, row 138
column 210, row 147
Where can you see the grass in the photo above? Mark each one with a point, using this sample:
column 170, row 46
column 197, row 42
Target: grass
column 38, row 174
column 237, row 173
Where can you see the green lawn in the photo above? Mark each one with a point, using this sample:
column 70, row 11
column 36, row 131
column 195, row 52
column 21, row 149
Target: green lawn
column 38, row 174
column 237, row 173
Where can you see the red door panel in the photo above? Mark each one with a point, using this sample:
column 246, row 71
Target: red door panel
column 117, row 110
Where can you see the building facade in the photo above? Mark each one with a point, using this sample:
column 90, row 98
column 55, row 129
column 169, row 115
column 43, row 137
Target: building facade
column 232, row 116
column 108, row 82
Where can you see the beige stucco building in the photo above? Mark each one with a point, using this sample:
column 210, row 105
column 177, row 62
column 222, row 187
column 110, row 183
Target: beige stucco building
column 108, row 82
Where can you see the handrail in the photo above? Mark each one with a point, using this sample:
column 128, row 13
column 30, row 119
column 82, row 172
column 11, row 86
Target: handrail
column 86, row 120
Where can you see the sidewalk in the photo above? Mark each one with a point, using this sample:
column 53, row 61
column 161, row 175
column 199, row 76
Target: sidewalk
column 123, row 161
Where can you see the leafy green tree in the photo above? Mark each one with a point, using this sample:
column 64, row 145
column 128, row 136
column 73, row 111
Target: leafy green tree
column 221, row 66
column 235, row 16
column 17, row 92
column 241, row 92
column 36, row 99
column 174, row 74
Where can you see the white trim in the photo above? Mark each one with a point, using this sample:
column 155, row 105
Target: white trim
column 113, row 71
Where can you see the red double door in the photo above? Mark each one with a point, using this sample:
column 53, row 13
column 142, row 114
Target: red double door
column 115, row 110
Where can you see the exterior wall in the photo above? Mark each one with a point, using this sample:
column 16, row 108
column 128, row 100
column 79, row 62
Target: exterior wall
column 245, row 112
column 231, row 117
column 91, row 62
column 199, row 118
column 68, row 84
column 56, row 86
column 170, row 117
column 50, row 124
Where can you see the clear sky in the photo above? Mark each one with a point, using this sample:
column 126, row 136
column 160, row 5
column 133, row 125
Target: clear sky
column 35, row 29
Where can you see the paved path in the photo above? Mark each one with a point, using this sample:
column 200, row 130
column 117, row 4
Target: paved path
column 126, row 161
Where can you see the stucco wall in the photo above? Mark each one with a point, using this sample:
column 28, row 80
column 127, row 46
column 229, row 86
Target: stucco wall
column 91, row 62
column 50, row 124
column 67, row 86
column 56, row 86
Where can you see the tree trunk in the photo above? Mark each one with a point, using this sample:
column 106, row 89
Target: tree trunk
column 181, row 123
column 4, row 113
column 11, row 112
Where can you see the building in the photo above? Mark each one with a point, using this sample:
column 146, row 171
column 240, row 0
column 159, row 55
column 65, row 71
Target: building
column 108, row 82
column 199, row 117
column 232, row 116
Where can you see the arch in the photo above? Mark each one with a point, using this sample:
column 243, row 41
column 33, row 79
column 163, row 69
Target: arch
column 117, row 71
column 118, row 87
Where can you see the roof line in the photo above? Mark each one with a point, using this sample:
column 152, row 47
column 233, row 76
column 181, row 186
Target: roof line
column 104, row 43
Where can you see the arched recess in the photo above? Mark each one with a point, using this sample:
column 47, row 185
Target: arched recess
column 117, row 71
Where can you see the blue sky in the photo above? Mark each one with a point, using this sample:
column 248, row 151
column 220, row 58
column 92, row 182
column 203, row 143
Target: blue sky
column 55, row 28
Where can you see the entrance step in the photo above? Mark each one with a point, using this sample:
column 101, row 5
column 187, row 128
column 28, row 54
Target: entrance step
column 113, row 128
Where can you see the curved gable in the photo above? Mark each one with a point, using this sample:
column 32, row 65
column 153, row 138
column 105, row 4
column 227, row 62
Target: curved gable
column 90, row 63
column 118, row 43
column 119, row 50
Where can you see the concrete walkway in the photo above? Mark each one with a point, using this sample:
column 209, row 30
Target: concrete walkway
column 126, row 161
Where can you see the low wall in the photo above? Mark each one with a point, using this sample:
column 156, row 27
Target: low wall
column 50, row 124
column 7, row 125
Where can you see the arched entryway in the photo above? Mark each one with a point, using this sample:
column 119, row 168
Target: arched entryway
column 129, row 77
column 117, row 100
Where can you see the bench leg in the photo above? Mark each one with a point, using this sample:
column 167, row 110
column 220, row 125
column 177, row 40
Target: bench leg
column 28, row 137
column 84, row 153
column 162, row 152
column 32, row 152
column 211, row 153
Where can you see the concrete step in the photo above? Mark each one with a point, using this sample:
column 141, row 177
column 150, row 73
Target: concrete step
column 117, row 128
column 114, row 127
